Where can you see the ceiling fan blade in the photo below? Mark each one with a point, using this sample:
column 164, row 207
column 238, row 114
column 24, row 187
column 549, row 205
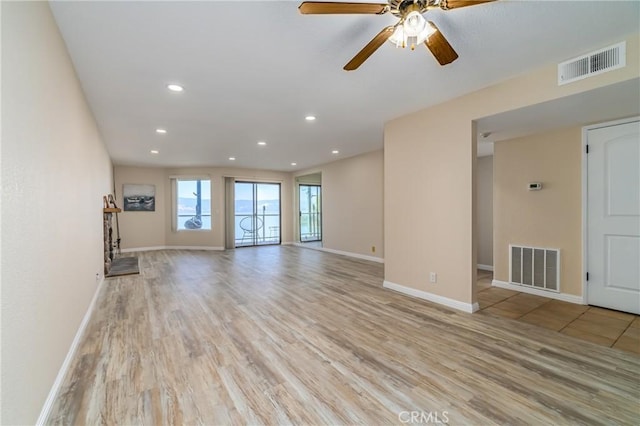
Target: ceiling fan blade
column 456, row 4
column 330, row 8
column 368, row 50
column 440, row 47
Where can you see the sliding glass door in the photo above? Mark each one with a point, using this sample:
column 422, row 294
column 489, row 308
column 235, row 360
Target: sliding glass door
column 257, row 213
column 310, row 213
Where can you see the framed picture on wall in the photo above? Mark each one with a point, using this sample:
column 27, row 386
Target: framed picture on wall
column 139, row 197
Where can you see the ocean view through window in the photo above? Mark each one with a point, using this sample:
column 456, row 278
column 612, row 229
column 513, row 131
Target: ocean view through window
column 193, row 204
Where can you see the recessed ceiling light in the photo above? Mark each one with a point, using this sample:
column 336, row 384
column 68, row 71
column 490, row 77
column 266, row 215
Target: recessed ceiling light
column 335, row 151
column 175, row 87
column 161, row 131
column 153, row 151
column 232, row 158
column 294, row 164
column 262, row 143
column 310, row 117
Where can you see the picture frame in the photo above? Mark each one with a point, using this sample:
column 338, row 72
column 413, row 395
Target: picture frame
column 139, row 197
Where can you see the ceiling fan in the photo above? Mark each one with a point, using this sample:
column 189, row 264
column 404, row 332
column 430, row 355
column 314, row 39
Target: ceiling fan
column 410, row 30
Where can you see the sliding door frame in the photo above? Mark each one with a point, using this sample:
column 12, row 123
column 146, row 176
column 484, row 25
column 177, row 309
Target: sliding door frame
column 255, row 215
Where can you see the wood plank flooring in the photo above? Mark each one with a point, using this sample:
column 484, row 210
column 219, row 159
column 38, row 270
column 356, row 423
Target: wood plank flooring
column 287, row 335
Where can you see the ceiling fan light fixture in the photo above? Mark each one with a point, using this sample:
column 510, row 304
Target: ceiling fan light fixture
column 398, row 38
column 413, row 31
column 414, row 24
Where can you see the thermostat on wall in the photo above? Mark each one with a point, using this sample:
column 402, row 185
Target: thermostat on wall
column 535, row 186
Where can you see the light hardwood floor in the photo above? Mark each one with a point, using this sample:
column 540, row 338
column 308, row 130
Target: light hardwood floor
column 279, row 335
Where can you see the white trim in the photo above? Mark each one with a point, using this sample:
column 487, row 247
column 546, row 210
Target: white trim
column 305, row 245
column 585, row 201
column 485, row 267
column 342, row 253
column 441, row 300
column 350, row 254
column 585, row 233
column 55, row 388
column 611, row 123
column 209, row 248
column 544, row 293
column 136, row 249
column 249, row 179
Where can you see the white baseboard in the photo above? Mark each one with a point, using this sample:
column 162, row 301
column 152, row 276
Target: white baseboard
column 350, row 254
column 136, row 249
column 305, row 245
column 485, row 267
column 342, row 253
column 451, row 303
column 55, row 388
column 209, row 248
column 529, row 290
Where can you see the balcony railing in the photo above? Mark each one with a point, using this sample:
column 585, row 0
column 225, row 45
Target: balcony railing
column 260, row 229
column 310, row 227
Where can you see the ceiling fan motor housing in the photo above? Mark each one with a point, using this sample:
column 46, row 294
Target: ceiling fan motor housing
column 400, row 8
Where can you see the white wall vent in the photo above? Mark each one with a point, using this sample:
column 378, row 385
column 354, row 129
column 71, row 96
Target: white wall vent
column 598, row 62
column 534, row 267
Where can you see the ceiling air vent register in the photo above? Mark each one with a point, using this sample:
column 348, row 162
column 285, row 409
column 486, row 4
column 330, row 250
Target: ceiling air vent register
column 598, row 62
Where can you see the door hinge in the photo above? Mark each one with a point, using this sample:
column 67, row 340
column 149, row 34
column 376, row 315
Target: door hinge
column 586, row 148
column 587, row 276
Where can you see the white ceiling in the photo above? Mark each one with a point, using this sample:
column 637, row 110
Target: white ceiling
column 253, row 70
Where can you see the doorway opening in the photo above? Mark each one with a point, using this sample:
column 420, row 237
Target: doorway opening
column 310, row 213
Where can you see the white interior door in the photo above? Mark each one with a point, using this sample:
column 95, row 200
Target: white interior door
column 613, row 217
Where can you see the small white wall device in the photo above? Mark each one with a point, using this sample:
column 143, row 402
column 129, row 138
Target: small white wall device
column 535, row 186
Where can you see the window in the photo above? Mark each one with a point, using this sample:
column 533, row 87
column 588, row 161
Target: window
column 193, row 204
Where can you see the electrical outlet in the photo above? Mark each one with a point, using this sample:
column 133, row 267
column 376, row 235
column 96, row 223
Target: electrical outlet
column 97, row 276
column 433, row 277
column 373, row 249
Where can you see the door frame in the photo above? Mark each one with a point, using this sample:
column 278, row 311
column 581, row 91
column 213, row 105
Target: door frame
column 585, row 201
column 255, row 214
column 300, row 185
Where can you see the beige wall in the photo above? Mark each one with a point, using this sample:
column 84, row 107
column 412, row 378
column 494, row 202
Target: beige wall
column 55, row 170
column 428, row 203
column 430, row 182
column 142, row 229
column 352, row 210
column 550, row 218
column 312, row 179
column 484, row 173
column 155, row 229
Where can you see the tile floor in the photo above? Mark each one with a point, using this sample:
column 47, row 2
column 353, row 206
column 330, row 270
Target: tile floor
column 602, row 326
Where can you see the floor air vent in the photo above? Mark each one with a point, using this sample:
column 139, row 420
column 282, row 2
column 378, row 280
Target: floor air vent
column 607, row 59
column 535, row 267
